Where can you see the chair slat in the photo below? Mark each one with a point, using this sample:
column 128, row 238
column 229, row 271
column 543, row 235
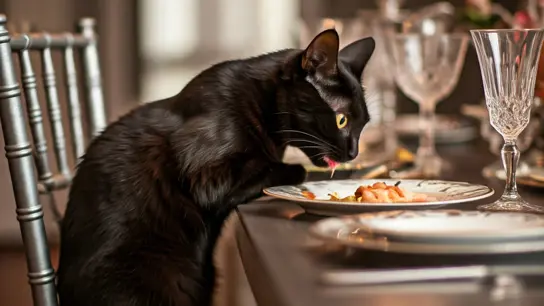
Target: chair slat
column 55, row 41
column 35, row 116
column 76, row 126
column 53, row 107
column 91, row 66
column 21, row 165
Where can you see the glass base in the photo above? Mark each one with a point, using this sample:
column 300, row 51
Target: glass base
column 512, row 204
column 428, row 167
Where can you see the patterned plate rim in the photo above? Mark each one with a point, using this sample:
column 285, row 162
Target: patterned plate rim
column 488, row 192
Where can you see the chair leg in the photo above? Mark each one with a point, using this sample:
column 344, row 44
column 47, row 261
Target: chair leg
column 21, row 165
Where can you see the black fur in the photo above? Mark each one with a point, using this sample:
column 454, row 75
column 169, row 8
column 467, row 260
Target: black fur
column 151, row 194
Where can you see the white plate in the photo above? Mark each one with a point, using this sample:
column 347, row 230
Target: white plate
column 453, row 225
column 349, row 231
column 445, row 192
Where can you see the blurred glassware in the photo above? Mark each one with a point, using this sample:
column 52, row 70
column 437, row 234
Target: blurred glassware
column 508, row 63
column 380, row 81
column 432, row 19
column 427, row 69
column 390, row 10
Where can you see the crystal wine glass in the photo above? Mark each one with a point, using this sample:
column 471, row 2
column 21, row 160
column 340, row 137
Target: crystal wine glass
column 508, row 63
column 427, row 70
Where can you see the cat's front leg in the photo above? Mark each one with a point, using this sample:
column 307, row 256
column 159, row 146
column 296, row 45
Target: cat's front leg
column 286, row 174
column 241, row 180
column 275, row 174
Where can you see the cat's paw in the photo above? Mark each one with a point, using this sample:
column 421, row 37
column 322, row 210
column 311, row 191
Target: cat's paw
column 285, row 174
column 297, row 174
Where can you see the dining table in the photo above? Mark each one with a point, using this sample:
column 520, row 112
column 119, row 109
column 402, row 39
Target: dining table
column 286, row 266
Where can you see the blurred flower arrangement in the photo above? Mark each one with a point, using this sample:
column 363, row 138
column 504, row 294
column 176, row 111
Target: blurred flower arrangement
column 531, row 15
column 490, row 15
column 484, row 14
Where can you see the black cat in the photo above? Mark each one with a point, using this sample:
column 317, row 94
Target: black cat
column 151, row 194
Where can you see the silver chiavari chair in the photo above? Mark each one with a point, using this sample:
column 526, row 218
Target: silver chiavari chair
column 25, row 159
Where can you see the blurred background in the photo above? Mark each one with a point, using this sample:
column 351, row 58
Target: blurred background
column 149, row 49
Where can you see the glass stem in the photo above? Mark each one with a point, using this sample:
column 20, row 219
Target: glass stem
column 426, row 126
column 510, row 159
column 389, row 113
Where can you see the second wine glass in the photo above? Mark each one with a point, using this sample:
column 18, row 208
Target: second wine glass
column 508, row 63
column 427, row 70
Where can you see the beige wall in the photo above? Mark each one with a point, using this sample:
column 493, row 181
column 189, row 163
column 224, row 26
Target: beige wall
column 118, row 53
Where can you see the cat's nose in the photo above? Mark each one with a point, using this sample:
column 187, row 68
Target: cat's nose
column 353, row 148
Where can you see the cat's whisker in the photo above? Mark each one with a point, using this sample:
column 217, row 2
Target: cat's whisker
column 318, row 154
column 301, row 132
column 310, row 147
column 322, row 146
column 305, row 141
column 328, row 144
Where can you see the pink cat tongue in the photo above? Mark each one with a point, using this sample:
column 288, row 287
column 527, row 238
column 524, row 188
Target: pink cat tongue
column 331, row 163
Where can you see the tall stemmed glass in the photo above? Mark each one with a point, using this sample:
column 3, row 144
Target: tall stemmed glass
column 427, row 70
column 508, row 63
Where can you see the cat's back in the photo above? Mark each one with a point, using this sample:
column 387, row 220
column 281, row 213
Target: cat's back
column 125, row 144
column 115, row 164
column 115, row 205
column 230, row 83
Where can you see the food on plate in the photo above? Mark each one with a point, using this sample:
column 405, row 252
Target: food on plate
column 308, row 195
column 377, row 193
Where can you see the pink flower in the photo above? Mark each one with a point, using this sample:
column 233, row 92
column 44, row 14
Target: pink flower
column 522, row 19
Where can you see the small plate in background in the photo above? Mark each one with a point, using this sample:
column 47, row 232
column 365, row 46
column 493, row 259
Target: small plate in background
column 537, row 174
column 448, row 128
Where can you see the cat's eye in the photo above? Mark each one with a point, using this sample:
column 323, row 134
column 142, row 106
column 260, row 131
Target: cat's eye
column 341, row 121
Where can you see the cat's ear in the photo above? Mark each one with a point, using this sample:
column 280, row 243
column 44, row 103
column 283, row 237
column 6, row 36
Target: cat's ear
column 321, row 55
column 357, row 54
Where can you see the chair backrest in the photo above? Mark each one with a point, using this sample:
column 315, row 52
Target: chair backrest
column 26, row 160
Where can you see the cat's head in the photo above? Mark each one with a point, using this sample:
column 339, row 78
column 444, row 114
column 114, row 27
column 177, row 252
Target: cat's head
column 329, row 109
